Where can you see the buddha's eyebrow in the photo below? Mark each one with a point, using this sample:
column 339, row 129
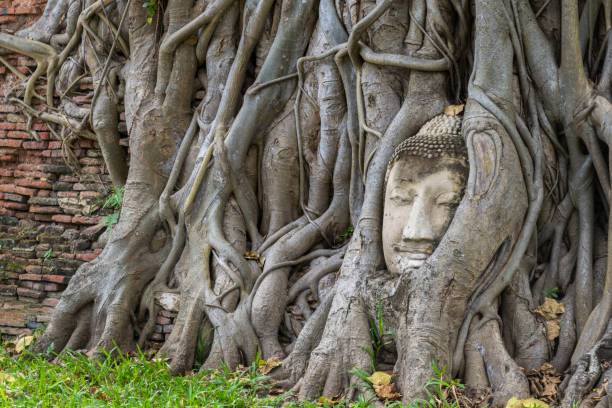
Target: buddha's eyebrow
column 403, row 192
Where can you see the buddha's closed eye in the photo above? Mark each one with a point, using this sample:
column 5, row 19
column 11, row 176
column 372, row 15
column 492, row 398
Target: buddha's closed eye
column 403, row 197
column 450, row 199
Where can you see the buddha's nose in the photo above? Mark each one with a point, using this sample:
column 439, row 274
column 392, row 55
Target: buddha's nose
column 418, row 225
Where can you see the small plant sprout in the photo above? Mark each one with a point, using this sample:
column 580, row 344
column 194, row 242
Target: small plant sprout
column 437, row 390
column 49, row 254
column 151, row 6
column 552, row 293
column 113, row 201
column 347, row 234
column 377, row 336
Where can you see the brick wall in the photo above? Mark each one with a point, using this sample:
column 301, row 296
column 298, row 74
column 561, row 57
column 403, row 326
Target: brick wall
column 48, row 219
column 49, row 211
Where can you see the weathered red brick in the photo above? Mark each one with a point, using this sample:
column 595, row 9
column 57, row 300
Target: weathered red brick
column 69, row 178
column 86, row 257
column 33, row 269
column 34, row 145
column 30, row 167
column 7, row 19
column 10, row 143
column 26, row 9
column 44, row 318
column 44, row 135
column 50, row 302
column 40, row 127
column 81, row 99
column 46, row 310
column 13, row 197
column 86, row 220
column 52, row 287
column 167, row 313
column 43, row 217
column 90, row 161
column 30, row 277
column 30, row 293
column 89, row 194
column 15, row 126
column 9, row 188
column 45, row 209
column 7, row 212
column 62, row 218
column 12, row 318
column 56, row 279
column 13, row 205
column 85, row 143
column 70, row 194
column 163, row 320
column 34, row 174
column 34, row 183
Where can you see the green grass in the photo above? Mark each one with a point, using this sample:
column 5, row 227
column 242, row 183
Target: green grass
column 30, row 380
column 114, row 200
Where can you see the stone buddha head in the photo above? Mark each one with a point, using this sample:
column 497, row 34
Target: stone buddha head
column 425, row 180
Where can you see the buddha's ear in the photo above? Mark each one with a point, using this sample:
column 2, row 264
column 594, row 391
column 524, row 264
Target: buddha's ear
column 484, row 152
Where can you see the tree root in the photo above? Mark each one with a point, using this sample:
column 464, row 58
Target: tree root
column 587, row 370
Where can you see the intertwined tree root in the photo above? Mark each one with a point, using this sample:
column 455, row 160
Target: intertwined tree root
column 304, row 104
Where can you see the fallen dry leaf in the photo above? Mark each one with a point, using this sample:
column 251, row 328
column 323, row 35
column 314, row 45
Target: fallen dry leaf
column 552, row 329
column 525, row 403
column 264, row 367
column 387, row 392
column 453, row 110
column 550, row 311
column 276, row 391
column 601, row 391
column 6, row 378
column 379, row 378
column 255, row 257
column 544, row 382
column 323, row 401
column 550, row 308
column 22, row 343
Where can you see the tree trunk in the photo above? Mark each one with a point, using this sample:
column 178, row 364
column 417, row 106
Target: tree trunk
column 285, row 159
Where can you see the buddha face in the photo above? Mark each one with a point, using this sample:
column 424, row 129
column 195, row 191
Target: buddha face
column 420, row 201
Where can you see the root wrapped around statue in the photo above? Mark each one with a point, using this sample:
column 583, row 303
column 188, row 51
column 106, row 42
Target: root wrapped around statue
column 439, row 166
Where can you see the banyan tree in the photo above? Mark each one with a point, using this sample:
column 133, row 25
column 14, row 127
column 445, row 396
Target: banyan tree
column 437, row 166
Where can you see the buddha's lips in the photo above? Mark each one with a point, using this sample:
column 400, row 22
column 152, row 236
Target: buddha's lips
column 415, row 251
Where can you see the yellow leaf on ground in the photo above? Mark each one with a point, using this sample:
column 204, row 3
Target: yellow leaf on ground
column 550, row 311
column 324, row 401
column 453, row 110
column 525, row 403
column 550, row 308
column 6, row 378
column 552, row 329
column 22, row 343
column 379, row 378
column 387, row 392
column 252, row 255
column 264, row 367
